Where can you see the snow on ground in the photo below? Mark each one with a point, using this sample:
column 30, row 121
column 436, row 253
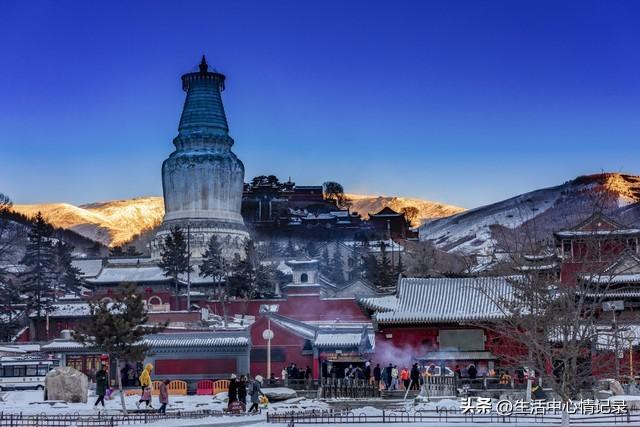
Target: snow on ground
column 32, row 402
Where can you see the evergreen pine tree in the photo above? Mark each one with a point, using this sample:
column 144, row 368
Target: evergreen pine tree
column 337, row 266
column 400, row 265
column 266, row 279
column 68, row 279
column 118, row 329
column 384, row 270
column 243, row 272
column 250, row 277
column 311, row 249
column 9, row 315
column 174, row 258
column 214, row 265
column 37, row 281
column 273, row 248
column 326, row 267
column 290, row 250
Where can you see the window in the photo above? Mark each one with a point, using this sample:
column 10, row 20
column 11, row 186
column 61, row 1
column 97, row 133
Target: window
column 304, row 277
column 632, row 244
column 32, row 370
column 19, row 371
column 42, row 370
column 8, row 371
column 75, row 362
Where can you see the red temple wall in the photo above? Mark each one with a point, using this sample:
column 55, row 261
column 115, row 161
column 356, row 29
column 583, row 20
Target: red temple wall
column 194, row 366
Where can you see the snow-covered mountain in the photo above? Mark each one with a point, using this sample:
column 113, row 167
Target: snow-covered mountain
column 477, row 231
column 116, row 222
column 110, row 223
column 453, row 229
column 365, row 205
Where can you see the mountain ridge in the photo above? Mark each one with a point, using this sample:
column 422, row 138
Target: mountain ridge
column 116, row 222
column 482, row 229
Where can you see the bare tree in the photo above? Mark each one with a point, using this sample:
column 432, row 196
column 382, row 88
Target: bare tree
column 411, row 214
column 557, row 327
column 334, row 191
column 423, row 259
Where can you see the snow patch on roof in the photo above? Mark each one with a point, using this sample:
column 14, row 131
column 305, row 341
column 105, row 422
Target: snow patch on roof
column 88, row 267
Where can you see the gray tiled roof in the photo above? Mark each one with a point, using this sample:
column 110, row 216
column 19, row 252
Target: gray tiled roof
column 441, row 300
column 195, row 340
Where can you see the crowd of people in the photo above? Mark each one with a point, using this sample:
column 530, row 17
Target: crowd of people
column 292, row 372
column 240, row 388
column 238, row 391
column 394, row 377
column 389, row 377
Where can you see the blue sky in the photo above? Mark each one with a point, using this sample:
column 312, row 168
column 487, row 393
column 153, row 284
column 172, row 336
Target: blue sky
column 465, row 102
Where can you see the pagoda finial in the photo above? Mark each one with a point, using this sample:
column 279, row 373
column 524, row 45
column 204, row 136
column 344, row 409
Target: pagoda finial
column 203, row 65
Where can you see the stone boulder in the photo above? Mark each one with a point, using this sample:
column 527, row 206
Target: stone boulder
column 66, row 384
column 278, row 394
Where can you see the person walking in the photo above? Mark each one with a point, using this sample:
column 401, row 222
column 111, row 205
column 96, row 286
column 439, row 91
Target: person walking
column 387, row 376
column 242, row 391
column 404, row 377
column 232, row 392
column 377, row 374
column 367, row 371
column 458, row 372
column 145, row 383
column 472, row 371
column 308, row 376
column 163, row 396
column 394, row 377
column 102, row 383
column 348, row 374
column 146, row 397
column 284, row 374
column 255, row 392
column 415, row 377
column 334, row 372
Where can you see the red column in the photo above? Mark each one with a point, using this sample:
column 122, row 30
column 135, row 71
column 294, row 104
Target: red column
column 316, row 366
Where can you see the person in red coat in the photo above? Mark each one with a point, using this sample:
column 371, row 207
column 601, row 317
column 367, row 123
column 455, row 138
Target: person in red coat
column 164, row 396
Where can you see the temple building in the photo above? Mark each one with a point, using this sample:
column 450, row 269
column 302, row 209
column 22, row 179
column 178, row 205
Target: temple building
column 438, row 321
column 592, row 245
column 202, row 180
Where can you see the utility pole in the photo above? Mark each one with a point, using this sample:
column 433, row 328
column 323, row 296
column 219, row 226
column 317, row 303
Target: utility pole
column 616, row 345
column 188, row 266
column 390, row 241
column 269, row 350
column 630, row 338
column 614, row 306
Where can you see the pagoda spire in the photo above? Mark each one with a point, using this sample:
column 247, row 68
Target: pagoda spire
column 203, row 111
column 204, row 67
